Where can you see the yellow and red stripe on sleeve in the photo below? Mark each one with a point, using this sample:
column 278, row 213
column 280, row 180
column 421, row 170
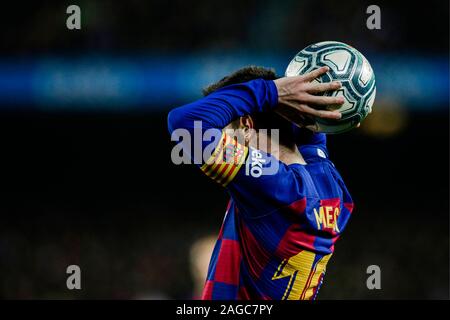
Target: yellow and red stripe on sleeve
column 226, row 160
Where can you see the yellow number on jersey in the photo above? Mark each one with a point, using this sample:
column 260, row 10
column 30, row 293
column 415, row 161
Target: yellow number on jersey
column 304, row 274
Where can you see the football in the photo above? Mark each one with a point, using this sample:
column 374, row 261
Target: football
column 348, row 66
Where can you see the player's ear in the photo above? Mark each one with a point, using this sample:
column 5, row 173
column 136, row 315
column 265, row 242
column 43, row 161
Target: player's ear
column 247, row 124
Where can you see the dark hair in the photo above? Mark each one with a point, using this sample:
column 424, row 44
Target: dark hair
column 263, row 120
column 242, row 75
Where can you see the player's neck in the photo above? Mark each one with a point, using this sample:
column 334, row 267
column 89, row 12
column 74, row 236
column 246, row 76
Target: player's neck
column 286, row 154
column 289, row 155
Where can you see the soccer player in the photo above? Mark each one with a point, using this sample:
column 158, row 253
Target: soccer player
column 288, row 204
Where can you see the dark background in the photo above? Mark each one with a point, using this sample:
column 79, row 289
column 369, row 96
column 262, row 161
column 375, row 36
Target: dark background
column 96, row 187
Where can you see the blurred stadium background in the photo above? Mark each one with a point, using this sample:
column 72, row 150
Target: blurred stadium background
column 85, row 170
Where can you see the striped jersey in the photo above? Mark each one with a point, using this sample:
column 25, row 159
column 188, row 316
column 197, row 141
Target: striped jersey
column 282, row 221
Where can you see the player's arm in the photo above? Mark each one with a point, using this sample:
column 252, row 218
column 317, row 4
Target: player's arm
column 288, row 96
column 207, row 117
column 224, row 105
column 215, row 111
column 314, row 144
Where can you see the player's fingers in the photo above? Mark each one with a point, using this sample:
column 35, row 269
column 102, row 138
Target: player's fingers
column 323, row 100
column 319, row 113
column 310, row 76
column 314, row 87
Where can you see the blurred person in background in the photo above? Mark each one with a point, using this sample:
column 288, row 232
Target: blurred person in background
column 199, row 256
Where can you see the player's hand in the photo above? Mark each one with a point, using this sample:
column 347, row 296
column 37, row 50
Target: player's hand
column 298, row 99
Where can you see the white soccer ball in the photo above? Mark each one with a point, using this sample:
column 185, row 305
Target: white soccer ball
column 348, row 66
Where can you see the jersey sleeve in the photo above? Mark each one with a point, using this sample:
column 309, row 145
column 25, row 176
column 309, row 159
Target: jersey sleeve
column 224, row 105
column 226, row 160
column 312, row 145
column 257, row 181
column 265, row 184
column 219, row 154
column 253, row 178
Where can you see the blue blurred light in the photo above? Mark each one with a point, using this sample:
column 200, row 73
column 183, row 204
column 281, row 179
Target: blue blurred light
column 159, row 82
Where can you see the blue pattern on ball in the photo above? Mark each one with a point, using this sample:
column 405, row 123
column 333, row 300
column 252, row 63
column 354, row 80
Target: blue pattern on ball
column 356, row 76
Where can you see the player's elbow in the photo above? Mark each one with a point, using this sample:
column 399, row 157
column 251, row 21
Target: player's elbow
column 175, row 119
